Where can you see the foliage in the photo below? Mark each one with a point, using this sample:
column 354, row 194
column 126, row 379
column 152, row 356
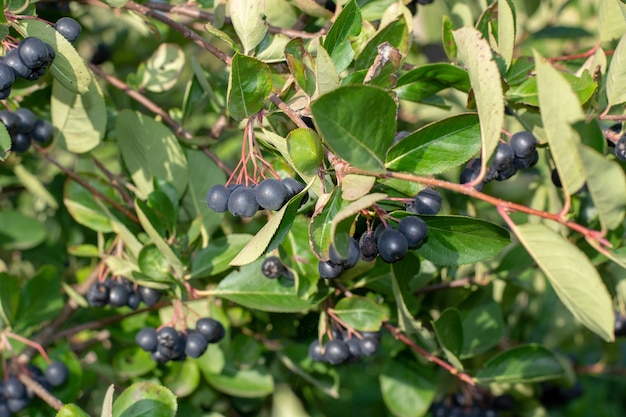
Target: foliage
column 514, row 294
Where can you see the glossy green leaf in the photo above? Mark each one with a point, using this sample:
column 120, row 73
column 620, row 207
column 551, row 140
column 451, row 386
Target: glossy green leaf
column 348, row 124
column 573, row 277
column 40, row 299
column 361, row 313
column 506, row 30
column 521, row 365
column 297, row 255
column 183, row 378
column 79, row 118
column 519, row 72
column 9, row 298
column 449, row 331
column 559, row 111
column 150, row 150
column 250, row 288
column 247, row 18
column 216, row 257
column 484, row 75
column 152, row 263
column 20, row 232
column 71, row 410
column 306, row 151
column 337, row 40
column 132, row 362
column 395, row 34
column 145, row 399
column 5, row 142
column 426, row 80
column 616, row 76
column 526, row 92
column 249, row 83
column 437, row 147
column 457, row 240
column 407, row 389
column 610, row 202
column 483, row 326
column 327, row 75
column 163, row 69
column 320, row 228
column 246, row 383
column 301, row 65
column 68, row 66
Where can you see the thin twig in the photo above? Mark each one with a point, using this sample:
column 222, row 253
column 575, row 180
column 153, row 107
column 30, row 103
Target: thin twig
column 288, row 111
column 116, row 181
column 41, row 392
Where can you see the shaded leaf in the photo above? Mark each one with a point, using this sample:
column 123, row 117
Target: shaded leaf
column 426, row 80
column 216, row 257
column 20, row 232
column 301, row 65
column 521, row 364
column 145, row 399
column 162, row 70
column 449, row 331
column 407, row 390
column 246, row 383
column 361, row 313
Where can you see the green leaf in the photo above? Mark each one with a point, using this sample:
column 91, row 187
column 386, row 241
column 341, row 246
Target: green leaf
column 9, row 298
column 150, row 150
column 560, row 110
column 353, row 131
column 40, row 299
column 301, row 65
column 249, row 83
column 163, row 69
column 107, row 403
column 458, row 240
column 247, row 18
column 361, row 313
column 610, row 202
column 484, row 75
column 306, row 151
column 526, row 91
column 426, row 80
column 312, row 8
column 80, row 118
column 270, row 236
column 5, row 142
column 145, row 399
column 449, row 331
column 246, row 383
column 216, row 257
column 483, row 326
column 250, row 288
column 320, row 228
column 447, row 38
column 437, row 147
column 71, row 410
column 153, row 264
column 132, row 362
column 506, row 30
column 337, row 40
column 574, row 279
column 355, row 186
column 521, row 365
column 20, row 232
column 407, row 389
column 183, row 378
column 84, row 208
column 68, row 66
column 395, row 34
column 157, row 239
column 327, row 76
column 34, row 185
column 616, row 76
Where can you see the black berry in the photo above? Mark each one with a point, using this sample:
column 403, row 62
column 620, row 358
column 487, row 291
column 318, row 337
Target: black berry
column 98, row 294
column 196, row 344
column 336, row 352
column 13, row 388
column 270, row 194
column 620, row 325
column 392, row 245
column 133, row 300
column 20, row 142
column 212, row 330
column 367, row 246
column 13, row 60
column 7, row 76
column 217, row 198
column 272, row 267
column 329, row 270
column 620, row 148
column 34, row 52
column 506, row 173
column 523, row 144
column 146, row 339
column 149, row 296
column 27, row 119
column 57, row 373
column 354, row 347
column 350, row 260
column 69, row 28
column 42, row 131
column 118, row 295
column 242, row 202
column 427, row 201
column 369, row 345
column 503, row 157
column 10, row 121
column 316, row 351
column 414, row 230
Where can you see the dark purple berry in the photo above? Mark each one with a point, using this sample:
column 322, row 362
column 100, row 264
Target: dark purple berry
column 367, row 246
column 427, row 201
column 369, row 345
column 316, row 352
column 27, row 119
column 69, row 28
column 272, row 267
column 620, row 148
column 503, row 157
column 270, row 194
column 294, row 187
column 336, row 352
column 98, row 294
column 212, row 330
column 158, row 357
column 523, row 144
column 57, row 373
column 242, row 202
column 329, row 270
column 149, row 296
column 33, row 51
column 196, row 345
column 620, row 325
column 118, row 295
column 13, row 388
column 7, row 76
column 217, row 198
column 42, row 132
column 146, row 339
column 556, row 179
column 506, row 173
column 13, row 60
column 392, row 245
column 350, row 260
column 4, row 410
column 354, row 347
column 51, row 55
column 10, row 121
column 20, row 142
column 133, row 300
column 6, row 93
column 414, row 230
column 17, row 404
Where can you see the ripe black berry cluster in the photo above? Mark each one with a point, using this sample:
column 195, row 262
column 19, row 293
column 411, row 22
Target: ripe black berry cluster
column 244, row 201
column 14, row 396
column 520, row 153
column 476, row 405
column 23, row 127
column 168, row 344
column 343, row 348
column 273, row 268
column 121, row 292
column 28, row 60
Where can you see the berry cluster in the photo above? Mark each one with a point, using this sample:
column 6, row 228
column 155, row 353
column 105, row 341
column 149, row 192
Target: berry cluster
column 478, row 405
column 343, row 348
column 121, row 292
column 391, row 244
column 244, row 201
column 168, row 344
column 28, row 60
column 14, row 396
column 23, row 127
column 520, row 153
